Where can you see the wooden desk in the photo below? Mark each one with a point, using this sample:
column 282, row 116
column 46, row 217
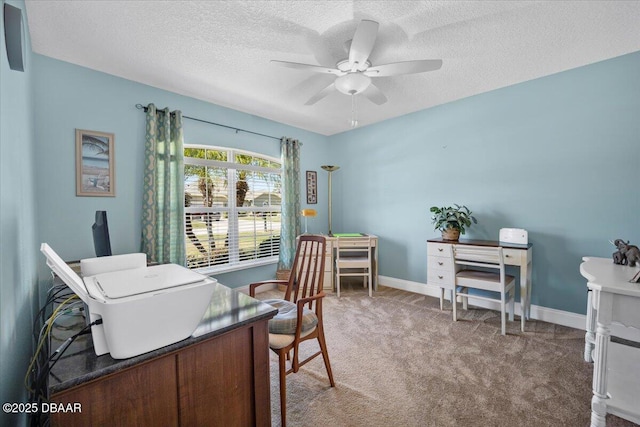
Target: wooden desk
column 218, row 376
column 440, row 271
column 616, row 371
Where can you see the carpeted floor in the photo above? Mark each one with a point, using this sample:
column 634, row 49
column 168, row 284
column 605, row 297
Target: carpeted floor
column 399, row 361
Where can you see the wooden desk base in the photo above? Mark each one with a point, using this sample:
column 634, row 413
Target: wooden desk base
column 221, row 381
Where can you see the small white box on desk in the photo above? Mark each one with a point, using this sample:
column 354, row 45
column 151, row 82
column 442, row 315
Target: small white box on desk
column 142, row 308
column 514, row 235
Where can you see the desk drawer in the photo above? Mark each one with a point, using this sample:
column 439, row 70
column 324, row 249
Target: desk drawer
column 513, row 256
column 439, row 263
column 355, row 243
column 439, row 249
column 442, row 278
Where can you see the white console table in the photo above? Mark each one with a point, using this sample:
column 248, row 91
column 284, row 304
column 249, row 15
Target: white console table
column 613, row 301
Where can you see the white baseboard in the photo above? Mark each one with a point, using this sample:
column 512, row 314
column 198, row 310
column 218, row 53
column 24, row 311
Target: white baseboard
column 550, row 315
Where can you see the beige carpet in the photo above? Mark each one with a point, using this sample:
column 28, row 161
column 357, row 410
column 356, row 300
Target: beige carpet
column 399, row 361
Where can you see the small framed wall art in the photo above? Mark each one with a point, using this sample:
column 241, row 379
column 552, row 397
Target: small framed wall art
column 95, row 163
column 312, row 187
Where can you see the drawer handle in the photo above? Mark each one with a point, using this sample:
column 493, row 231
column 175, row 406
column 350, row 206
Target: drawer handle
column 507, row 256
column 440, row 263
column 440, row 277
column 440, row 249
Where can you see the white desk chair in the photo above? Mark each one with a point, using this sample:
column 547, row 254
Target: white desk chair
column 353, row 258
column 466, row 261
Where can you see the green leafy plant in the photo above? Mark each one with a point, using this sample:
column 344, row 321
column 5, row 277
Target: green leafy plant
column 456, row 217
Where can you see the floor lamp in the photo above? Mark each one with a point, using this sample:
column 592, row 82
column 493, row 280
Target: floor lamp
column 330, row 169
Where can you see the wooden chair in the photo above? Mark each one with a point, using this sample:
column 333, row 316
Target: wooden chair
column 467, row 259
column 299, row 315
column 353, row 258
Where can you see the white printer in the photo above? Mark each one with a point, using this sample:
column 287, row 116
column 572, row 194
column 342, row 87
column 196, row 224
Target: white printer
column 142, row 308
column 514, row 235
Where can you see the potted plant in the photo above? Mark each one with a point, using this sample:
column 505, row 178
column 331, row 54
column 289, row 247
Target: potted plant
column 452, row 221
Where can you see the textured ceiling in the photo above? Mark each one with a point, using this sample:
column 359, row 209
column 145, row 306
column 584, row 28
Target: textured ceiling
column 219, row 51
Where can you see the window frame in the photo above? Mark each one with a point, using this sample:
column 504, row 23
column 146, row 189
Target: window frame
column 231, row 166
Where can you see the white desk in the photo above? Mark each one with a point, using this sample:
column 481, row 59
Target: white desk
column 329, row 264
column 374, row 256
column 440, row 271
column 616, row 371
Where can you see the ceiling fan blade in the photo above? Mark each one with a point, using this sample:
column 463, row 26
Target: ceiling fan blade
column 318, row 96
column 406, row 67
column 362, row 44
column 374, row 95
column 308, row 67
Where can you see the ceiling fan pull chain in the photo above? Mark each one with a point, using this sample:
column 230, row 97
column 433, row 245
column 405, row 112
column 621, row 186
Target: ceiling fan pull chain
column 354, row 116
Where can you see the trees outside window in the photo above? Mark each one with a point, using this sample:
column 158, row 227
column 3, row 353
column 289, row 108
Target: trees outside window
column 232, row 207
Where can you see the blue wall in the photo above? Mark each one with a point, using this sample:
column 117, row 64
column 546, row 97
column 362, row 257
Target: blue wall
column 18, row 245
column 541, row 155
column 557, row 156
column 70, row 97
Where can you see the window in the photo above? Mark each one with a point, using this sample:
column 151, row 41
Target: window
column 232, row 208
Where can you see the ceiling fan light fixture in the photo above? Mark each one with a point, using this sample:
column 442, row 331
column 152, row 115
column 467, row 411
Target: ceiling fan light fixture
column 352, row 83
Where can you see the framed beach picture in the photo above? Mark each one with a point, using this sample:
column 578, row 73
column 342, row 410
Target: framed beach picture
column 312, row 187
column 94, row 163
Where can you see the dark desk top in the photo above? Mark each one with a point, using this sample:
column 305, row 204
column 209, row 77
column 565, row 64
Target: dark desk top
column 229, row 309
column 492, row 243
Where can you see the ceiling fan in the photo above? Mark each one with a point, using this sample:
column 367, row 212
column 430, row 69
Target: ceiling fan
column 355, row 72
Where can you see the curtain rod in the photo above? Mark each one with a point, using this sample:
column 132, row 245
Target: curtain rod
column 143, row 108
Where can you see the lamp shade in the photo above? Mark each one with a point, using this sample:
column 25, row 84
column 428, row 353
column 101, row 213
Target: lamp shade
column 308, row 212
column 352, row 83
